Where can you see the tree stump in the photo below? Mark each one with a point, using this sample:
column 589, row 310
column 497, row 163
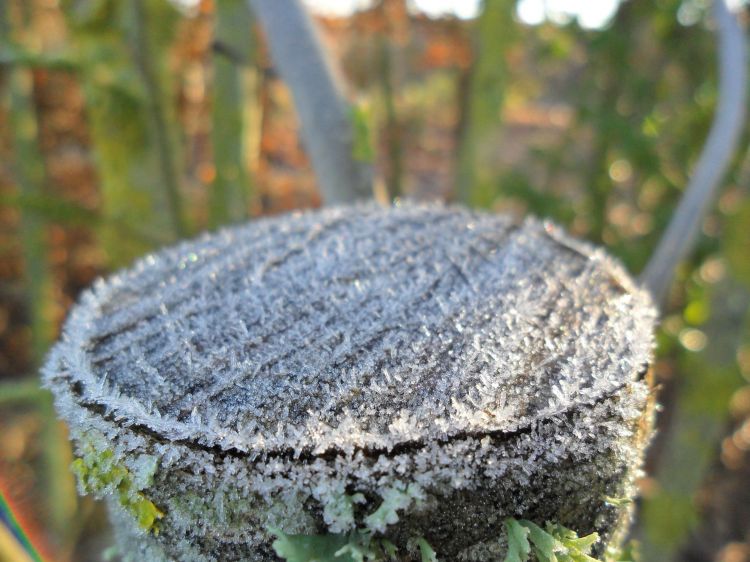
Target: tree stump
column 453, row 368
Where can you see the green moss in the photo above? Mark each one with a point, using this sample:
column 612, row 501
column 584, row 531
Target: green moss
column 425, row 551
column 99, row 473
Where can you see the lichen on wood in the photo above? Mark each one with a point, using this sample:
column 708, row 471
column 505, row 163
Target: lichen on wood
column 453, row 368
column 100, row 473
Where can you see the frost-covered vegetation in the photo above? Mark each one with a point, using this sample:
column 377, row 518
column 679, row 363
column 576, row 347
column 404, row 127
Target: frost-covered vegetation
column 100, row 474
column 522, row 540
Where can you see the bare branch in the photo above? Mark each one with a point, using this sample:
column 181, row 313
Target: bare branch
column 232, row 186
column 167, row 159
column 714, row 160
column 318, row 96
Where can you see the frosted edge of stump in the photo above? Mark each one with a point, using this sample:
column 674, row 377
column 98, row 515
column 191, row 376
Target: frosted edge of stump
column 624, row 345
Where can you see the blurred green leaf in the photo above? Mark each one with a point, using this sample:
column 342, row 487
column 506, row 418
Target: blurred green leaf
column 518, row 541
column 736, row 242
column 231, row 187
column 52, row 208
column 26, row 390
column 426, row 552
column 16, row 55
column 362, row 148
column 120, row 117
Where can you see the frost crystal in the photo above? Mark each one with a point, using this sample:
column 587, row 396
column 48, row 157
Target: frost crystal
column 273, row 370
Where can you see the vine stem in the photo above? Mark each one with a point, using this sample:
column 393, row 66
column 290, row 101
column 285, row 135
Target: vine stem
column 679, row 238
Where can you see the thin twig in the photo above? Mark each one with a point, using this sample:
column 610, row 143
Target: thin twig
column 25, row 390
column 232, row 186
column 219, row 47
column 679, row 238
column 155, row 108
column 324, row 113
column 30, row 175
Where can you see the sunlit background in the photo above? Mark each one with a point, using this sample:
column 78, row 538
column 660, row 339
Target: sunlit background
column 588, row 112
column 533, row 12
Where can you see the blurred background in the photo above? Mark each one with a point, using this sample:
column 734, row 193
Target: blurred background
column 126, row 125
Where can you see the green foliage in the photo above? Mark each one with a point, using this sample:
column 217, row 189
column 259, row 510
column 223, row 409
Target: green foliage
column 31, row 181
column 486, row 93
column 517, row 186
column 111, row 553
column 362, row 147
column 631, row 552
column 17, row 55
column 99, row 473
column 709, row 378
column 339, row 512
column 309, row 548
column 426, row 552
column 392, row 127
column 230, row 189
column 518, row 541
column 55, row 209
column 357, row 546
column 554, row 543
column 361, row 543
column 394, row 499
column 737, row 242
column 125, row 117
column 23, row 391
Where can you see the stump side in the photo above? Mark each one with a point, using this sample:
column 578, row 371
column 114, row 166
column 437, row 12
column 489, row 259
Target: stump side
column 214, row 512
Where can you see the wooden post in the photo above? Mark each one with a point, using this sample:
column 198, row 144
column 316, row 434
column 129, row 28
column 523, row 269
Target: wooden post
column 416, row 372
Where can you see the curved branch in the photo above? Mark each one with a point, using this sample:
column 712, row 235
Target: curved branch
column 325, row 114
column 679, row 238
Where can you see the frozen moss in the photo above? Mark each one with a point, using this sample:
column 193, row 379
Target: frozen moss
column 394, row 499
column 338, row 511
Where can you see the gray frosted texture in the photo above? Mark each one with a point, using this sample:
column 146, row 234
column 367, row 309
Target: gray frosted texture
column 360, row 349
